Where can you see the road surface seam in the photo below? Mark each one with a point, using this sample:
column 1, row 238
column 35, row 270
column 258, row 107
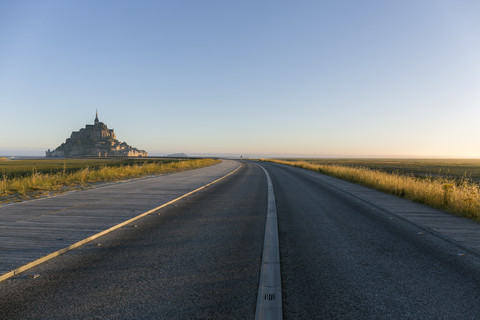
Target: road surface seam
column 269, row 300
column 95, row 236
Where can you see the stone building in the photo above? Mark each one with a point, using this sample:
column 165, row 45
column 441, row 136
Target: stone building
column 95, row 141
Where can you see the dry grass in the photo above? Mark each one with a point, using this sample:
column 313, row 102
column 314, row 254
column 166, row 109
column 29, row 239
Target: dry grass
column 448, row 168
column 459, row 197
column 37, row 184
column 24, row 167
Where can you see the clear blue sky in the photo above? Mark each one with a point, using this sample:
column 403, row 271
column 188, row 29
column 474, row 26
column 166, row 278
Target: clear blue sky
column 300, row 78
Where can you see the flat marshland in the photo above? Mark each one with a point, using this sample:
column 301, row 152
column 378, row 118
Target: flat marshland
column 452, row 185
column 26, row 179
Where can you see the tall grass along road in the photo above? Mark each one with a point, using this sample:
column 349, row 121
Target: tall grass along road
column 25, row 179
column 458, row 196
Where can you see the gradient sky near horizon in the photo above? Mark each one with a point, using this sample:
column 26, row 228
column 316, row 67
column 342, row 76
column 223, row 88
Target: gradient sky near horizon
column 263, row 77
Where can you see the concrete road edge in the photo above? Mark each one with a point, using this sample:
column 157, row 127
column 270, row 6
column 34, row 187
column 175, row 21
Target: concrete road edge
column 269, row 299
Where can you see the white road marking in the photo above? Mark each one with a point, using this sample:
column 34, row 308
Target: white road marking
column 269, row 300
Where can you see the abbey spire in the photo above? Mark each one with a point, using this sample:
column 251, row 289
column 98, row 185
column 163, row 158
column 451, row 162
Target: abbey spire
column 96, row 117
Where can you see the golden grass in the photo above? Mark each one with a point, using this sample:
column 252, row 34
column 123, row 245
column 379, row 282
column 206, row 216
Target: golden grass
column 459, row 197
column 37, row 183
column 449, row 168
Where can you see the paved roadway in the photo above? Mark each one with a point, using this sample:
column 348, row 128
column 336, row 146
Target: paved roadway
column 199, row 258
column 341, row 258
column 32, row 229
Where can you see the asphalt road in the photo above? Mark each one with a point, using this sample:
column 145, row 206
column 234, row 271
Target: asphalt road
column 200, row 259
column 343, row 259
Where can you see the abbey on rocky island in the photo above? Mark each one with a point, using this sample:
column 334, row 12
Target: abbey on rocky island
column 95, row 141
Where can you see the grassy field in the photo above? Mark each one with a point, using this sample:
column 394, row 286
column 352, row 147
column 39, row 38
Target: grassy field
column 450, row 185
column 26, row 179
column 22, row 168
column 445, row 168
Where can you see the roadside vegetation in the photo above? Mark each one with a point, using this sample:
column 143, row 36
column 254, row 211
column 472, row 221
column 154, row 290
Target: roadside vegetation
column 21, row 168
column 445, row 168
column 459, row 195
column 26, row 179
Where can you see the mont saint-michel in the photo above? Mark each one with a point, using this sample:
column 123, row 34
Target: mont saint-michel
column 95, row 140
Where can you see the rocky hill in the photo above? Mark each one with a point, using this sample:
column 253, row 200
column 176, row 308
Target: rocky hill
column 95, row 141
